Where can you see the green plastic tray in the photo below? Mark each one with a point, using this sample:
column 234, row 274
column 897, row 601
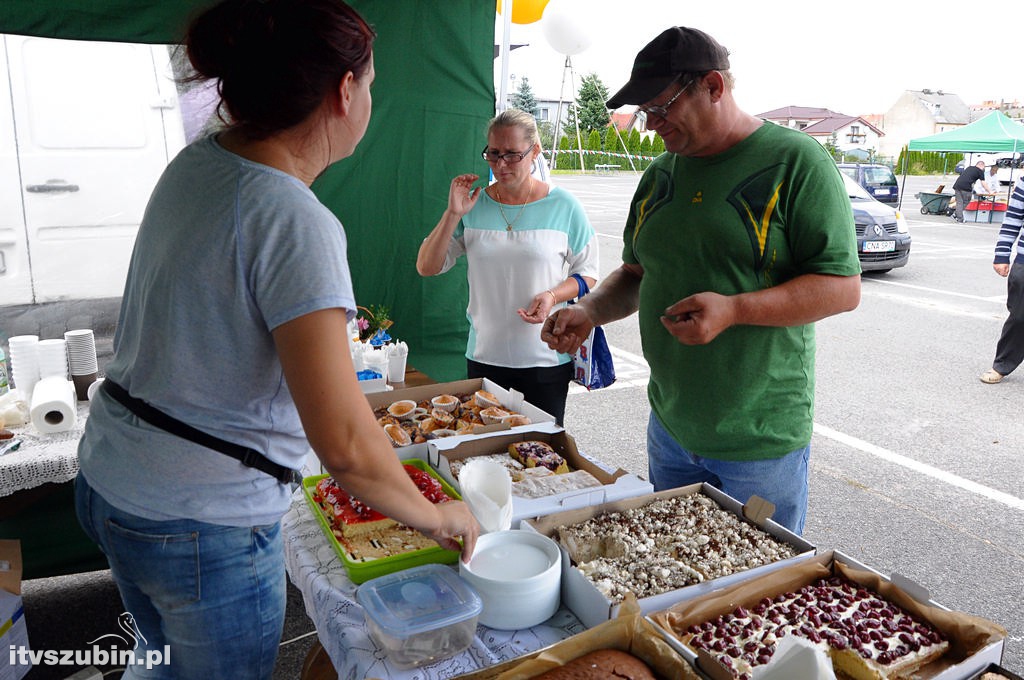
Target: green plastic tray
column 361, row 572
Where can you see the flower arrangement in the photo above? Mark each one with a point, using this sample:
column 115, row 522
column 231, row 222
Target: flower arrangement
column 373, row 323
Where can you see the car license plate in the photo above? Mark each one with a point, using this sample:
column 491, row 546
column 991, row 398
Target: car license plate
column 881, row 191
column 879, row 246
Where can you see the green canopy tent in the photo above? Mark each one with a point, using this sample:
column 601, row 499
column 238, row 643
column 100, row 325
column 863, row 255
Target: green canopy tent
column 433, row 96
column 994, row 133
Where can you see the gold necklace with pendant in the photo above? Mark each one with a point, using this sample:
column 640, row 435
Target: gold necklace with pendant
column 508, row 225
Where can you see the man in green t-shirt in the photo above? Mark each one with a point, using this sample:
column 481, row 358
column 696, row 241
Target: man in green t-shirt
column 738, row 239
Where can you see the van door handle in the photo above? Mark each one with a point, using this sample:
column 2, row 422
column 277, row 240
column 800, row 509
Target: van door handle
column 52, row 186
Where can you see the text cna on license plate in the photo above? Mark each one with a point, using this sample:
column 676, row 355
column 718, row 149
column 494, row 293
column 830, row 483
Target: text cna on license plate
column 879, row 246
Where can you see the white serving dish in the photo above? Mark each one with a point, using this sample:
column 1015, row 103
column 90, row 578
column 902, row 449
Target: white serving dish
column 518, row 577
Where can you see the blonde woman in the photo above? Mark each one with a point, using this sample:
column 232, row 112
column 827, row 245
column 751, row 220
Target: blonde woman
column 523, row 240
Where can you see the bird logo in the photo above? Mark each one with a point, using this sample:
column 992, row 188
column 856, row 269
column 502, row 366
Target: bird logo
column 126, row 622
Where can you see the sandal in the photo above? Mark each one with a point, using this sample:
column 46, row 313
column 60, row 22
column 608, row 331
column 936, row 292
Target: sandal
column 991, row 377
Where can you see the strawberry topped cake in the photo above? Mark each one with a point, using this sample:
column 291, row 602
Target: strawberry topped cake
column 365, row 533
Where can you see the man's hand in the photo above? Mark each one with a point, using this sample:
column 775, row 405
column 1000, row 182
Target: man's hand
column 565, row 330
column 700, row 318
column 1002, row 268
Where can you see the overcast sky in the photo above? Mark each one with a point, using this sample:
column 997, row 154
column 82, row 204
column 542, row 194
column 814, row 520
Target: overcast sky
column 856, row 58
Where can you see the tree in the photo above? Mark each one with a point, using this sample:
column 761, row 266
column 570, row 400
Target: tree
column 645, row 150
column 831, row 146
column 592, row 143
column 593, row 115
column 523, row 98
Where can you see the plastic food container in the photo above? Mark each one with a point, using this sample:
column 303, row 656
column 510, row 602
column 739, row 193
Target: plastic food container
column 518, row 575
column 421, row 614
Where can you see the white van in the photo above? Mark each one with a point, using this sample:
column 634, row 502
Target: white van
column 86, row 128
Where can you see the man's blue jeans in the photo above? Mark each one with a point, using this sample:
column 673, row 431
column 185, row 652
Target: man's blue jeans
column 215, row 594
column 783, row 481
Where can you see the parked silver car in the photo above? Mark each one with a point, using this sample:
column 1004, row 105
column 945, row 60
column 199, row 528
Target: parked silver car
column 883, row 237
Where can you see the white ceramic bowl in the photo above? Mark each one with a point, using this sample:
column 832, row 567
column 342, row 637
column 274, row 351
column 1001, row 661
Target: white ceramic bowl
column 518, row 575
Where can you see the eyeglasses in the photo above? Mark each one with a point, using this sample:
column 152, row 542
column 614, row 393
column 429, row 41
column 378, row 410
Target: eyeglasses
column 662, row 111
column 512, row 157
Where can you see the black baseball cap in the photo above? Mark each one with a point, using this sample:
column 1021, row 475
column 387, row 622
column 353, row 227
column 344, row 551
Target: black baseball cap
column 677, row 50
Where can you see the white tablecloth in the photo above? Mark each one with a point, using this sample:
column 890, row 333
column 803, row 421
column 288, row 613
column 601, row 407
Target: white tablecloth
column 329, row 595
column 42, row 458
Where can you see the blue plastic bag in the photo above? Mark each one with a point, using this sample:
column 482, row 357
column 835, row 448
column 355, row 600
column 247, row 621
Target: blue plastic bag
column 593, row 360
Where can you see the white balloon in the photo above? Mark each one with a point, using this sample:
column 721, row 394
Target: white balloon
column 564, row 30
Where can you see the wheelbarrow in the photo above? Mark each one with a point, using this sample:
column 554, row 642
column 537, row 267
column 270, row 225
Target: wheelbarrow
column 934, row 204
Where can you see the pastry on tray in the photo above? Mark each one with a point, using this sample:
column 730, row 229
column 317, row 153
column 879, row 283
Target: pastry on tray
column 444, row 413
column 538, row 454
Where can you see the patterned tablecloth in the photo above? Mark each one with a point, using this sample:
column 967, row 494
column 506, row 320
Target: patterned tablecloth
column 42, row 458
column 329, row 595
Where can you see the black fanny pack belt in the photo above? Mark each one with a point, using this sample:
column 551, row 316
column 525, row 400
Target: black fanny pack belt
column 157, row 418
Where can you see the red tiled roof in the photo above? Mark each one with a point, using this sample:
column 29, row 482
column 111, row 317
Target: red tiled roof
column 798, row 112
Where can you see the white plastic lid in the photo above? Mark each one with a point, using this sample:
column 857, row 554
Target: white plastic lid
column 428, row 597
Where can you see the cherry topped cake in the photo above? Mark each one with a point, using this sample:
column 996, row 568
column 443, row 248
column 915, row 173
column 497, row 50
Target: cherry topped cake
column 366, row 534
column 866, row 636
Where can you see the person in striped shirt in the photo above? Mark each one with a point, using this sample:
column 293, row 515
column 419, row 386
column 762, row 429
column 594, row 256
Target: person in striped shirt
column 1010, row 348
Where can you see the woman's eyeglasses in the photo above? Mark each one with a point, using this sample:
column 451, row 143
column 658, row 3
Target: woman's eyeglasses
column 492, row 156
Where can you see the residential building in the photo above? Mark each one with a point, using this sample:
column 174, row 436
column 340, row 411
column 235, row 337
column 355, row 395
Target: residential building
column 920, row 113
column 850, row 134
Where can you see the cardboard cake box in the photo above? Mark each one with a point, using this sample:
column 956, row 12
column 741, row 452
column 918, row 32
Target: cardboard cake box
column 974, row 642
column 614, row 485
column 592, row 607
column 510, row 399
column 13, row 629
column 630, row 632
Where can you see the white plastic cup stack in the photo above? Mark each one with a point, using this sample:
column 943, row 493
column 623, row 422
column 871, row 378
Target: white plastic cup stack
column 81, row 351
column 23, row 350
column 53, row 358
column 82, row 361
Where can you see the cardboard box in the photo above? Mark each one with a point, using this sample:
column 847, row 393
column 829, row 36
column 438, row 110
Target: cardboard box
column 13, row 631
column 614, row 485
column 510, row 399
column 592, row 607
column 629, row 632
column 994, row 668
column 974, row 642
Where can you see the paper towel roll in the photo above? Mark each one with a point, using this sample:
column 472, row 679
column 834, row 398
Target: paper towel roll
column 53, row 405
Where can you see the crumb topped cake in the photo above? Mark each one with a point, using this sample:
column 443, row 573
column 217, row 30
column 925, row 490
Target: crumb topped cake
column 366, row 534
column 866, row 636
column 667, row 544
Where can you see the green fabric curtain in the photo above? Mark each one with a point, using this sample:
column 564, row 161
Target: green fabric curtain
column 433, row 96
column 995, row 132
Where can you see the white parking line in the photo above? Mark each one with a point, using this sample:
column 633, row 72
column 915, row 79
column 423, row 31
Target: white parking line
column 997, row 298
column 923, row 468
column 632, row 371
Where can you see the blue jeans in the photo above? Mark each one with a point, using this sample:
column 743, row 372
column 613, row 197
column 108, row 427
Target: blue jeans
column 214, row 594
column 783, row 481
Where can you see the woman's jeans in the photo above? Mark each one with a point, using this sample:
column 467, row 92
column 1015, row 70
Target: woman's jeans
column 214, row 595
column 783, row 481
